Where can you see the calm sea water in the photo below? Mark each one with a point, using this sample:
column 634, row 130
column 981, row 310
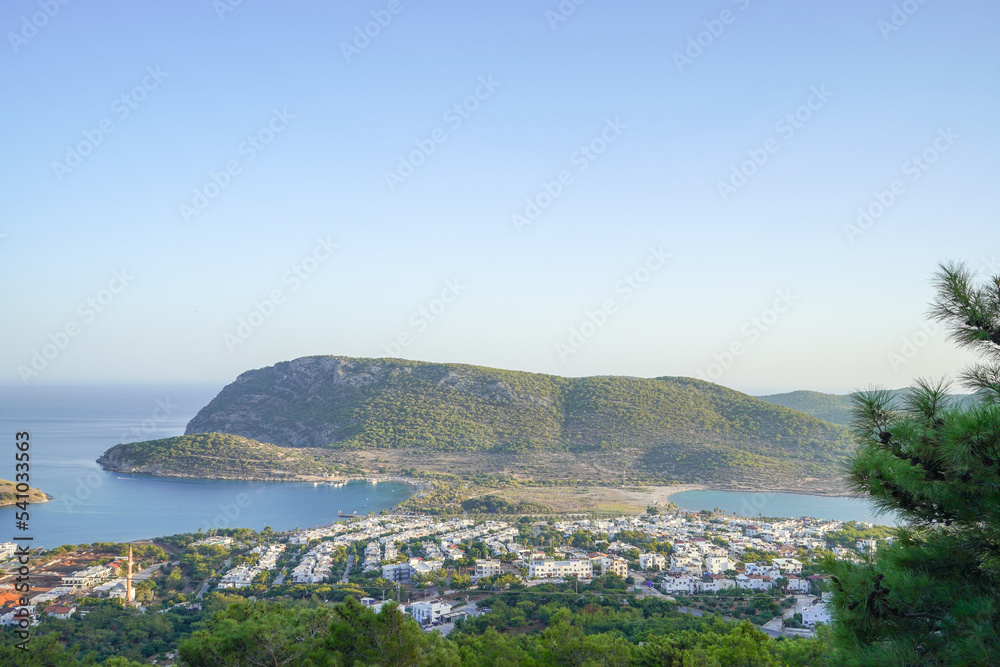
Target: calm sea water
column 71, row 426
column 782, row 505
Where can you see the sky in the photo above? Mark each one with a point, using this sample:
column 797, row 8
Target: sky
column 752, row 193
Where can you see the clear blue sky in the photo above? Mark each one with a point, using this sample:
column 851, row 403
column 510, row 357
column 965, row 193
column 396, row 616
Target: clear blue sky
column 831, row 103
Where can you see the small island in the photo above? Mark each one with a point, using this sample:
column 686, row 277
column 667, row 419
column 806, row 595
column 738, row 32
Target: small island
column 8, row 494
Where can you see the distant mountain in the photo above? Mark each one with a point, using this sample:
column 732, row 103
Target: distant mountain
column 663, row 428
column 836, row 408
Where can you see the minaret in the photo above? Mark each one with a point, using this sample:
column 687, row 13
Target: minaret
column 128, row 578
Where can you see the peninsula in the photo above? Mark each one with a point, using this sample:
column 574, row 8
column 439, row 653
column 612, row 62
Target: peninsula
column 8, row 494
column 339, row 417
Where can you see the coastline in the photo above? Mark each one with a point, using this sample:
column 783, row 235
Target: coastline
column 8, row 488
column 36, row 501
column 418, row 486
column 795, row 492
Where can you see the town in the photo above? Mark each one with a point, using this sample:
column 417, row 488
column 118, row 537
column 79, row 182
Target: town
column 435, row 569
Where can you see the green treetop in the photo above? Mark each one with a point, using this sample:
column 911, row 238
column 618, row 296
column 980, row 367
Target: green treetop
column 931, row 596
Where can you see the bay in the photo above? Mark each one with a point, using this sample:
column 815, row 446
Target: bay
column 790, row 505
column 71, row 426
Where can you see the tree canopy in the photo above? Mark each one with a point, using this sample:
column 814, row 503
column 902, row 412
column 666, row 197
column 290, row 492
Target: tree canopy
column 931, row 596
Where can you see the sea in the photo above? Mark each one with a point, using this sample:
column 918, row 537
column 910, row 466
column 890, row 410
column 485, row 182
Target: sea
column 71, row 427
column 784, row 505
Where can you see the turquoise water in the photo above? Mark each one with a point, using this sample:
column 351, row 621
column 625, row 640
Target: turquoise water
column 71, row 426
column 781, row 505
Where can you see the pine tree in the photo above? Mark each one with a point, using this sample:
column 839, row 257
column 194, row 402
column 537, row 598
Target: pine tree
column 931, row 596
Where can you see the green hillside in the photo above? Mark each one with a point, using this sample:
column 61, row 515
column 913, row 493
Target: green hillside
column 673, row 427
column 210, row 455
column 834, row 408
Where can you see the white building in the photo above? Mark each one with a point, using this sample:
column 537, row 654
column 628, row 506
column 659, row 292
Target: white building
column 428, row 612
column 424, row 567
column 816, row 613
column 119, row 591
column 214, row 540
column 788, row 565
column 487, row 568
column 754, row 582
column 652, row 561
column 611, row 564
column 796, row 585
column 763, row 569
column 580, row 568
column 867, row 546
column 397, row 572
column 60, row 611
column 719, row 564
column 678, row 584
column 715, row 583
column 89, row 577
column 240, row 576
column 14, row 615
column 403, row 573
column 376, row 606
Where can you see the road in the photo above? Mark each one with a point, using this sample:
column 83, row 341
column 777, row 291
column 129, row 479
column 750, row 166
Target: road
column 776, row 626
column 143, row 575
column 208, row 582
column 647, row 590
column 347, row 570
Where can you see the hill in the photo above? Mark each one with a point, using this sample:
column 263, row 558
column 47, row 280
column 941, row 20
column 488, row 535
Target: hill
column 210, row 456
column 836, row 408
column 392, row 414
column 8, row 494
